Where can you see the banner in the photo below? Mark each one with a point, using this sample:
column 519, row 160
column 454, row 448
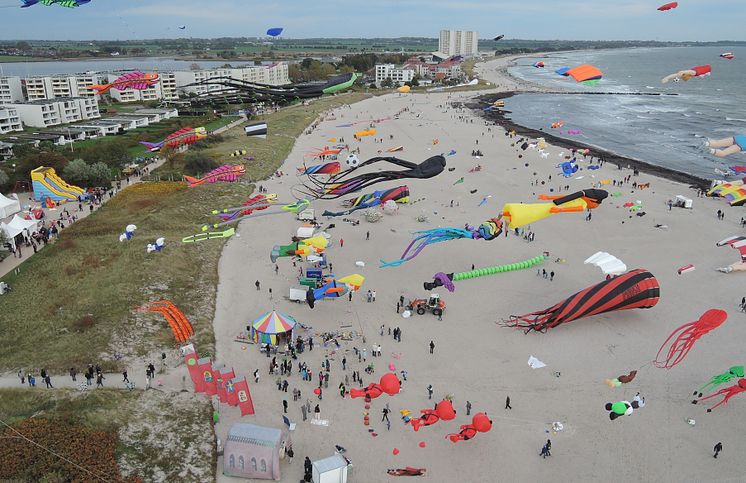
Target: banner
column 225, row 374
column 245, row 404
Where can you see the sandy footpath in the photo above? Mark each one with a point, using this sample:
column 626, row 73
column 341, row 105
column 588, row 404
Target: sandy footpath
column 474, row 358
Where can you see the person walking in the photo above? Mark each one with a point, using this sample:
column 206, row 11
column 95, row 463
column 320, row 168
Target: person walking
column 307, row 469
column 430, row 391
column 551, row 276
column 289, row 453
column 285, row 406
column 385, row 415
column 317, row 413
column 48, row 382
column 256, row 376
column 468, row 408
column 100, row 379
column 432, row 347
column 398, row 307
column 73, row 374
column 545, row 452
column 717, row 449
column 341, row 242
column 344, row 363
column 304, row 412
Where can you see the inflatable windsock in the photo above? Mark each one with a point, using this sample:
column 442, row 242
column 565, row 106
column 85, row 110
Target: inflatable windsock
column 129, row 232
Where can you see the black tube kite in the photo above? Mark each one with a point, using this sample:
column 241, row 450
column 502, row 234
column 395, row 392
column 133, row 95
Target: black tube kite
column 344, row 183
column 637, row 289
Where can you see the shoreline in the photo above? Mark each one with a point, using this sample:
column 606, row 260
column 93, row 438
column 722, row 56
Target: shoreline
column 502, row 118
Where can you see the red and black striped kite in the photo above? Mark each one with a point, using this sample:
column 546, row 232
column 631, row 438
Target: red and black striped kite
column 637, row 289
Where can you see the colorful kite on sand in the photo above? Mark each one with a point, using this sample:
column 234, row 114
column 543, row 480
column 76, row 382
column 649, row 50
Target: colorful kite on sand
column 637, row 289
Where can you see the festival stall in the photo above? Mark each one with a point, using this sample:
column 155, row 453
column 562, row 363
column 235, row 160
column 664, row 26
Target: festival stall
column 272, row 328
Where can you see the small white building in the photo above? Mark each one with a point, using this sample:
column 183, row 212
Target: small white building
column 9, row 120
column 160, row 114
column 398, row 75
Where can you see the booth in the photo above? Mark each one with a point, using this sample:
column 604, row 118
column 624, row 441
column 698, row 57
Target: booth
column 330, row 470
column 253, row 451
column 272, row 328
column 17, row 226
column 9, row 206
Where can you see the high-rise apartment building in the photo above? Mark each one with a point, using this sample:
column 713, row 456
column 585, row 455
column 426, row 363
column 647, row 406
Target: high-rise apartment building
column 458, row 42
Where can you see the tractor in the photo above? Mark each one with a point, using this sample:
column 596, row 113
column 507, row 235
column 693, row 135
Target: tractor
column 433, row 304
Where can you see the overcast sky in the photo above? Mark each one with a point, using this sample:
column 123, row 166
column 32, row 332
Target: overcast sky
column 527, row 19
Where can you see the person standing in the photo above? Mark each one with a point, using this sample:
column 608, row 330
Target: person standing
column 717, row 449
column 551, row 276
column 256, row 376
column 258, row 285
column 317, row 413
column 307, row 469
column 73, row 374
column 367, row 235
column 507, row 403
column 430, row 391
column 385, row 415
column 21, row 376
column 432, row 347
column 468, row 408
column 304, row 412
column 398, row 307
column 48, row 382
column 344, row 363
column 285, row 406
column 341, row 242
column 289, row 453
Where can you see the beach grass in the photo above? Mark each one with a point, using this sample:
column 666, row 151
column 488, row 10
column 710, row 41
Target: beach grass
column 151, row 443
column 75, row 301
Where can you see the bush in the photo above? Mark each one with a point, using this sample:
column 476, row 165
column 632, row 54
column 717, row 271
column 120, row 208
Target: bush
column 4, row 181
column 196, row 163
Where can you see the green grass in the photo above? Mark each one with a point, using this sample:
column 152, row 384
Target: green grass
column 88, row 271
column 220, row 122
column 152, row 442
column 16, row 58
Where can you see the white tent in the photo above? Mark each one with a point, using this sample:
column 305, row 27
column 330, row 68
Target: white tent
column 16, row 226
column 330, row 470
column 9, row 206
column 609, row 264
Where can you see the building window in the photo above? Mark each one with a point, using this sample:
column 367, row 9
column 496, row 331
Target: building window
column 253, row 463
column 232, row 461
column 241, row 462
column 264, row 466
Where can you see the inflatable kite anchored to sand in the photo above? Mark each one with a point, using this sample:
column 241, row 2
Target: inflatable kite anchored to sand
column 683, row 339
column 480, row 423
column 345, row 183
column 389, row 384
column 515, row 214
column 400, row 194
column 637, row 289
column 715, row 381
column 443, row 411
column 739, row 243
column 301, row 248
column 727, row 393
column 296, row 207
column 446, row 280
column 334, row 288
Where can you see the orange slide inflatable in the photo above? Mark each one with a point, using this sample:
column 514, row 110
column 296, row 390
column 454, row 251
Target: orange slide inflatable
column 176, row 319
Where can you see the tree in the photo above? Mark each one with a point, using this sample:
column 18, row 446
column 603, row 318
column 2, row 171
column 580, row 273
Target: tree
column 415, row 81
column 77, row 171
column 4, row 180
column 99, row 175
column 387, row 82
column 196, row 163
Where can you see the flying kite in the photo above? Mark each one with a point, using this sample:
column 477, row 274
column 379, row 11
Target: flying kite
column 334, row 288
column 586, row 73
column 326, row 168
column 61, row 3
column 226, row 172
column 739, row 243
column 685, row 75
column 446, row 280
column 734, row 192
column 715, row 381
column 133, row 80
column 296, row 207
column 255, row 203
column 274, row 32
column 727, row 393
column 637, row 289
column 345, row 183
column 499, row 37
column 182, row 27
column 209, row 236
column 480, row 423
column 727, row 146
column 685, row 336
column 668, row 6
column 728, row 55
column 539, row 65
column 400, row 194
column 389, row 384
column 183, row 136
column 516, row 214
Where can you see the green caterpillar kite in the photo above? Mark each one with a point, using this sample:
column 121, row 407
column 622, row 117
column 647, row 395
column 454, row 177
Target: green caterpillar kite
column 446, row 280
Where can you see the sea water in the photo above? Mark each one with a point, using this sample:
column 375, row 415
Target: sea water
column 665, row 130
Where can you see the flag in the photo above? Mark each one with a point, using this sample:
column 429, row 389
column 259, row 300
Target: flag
column 194, row 373
column 211, row 388
column 244, row 397
column 204, row 366
column 225, row 375
column 230, row 392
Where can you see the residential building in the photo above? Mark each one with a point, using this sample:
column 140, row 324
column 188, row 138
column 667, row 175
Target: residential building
column 56, row 86
column 398, row 75
column 273, row 74
column 105, row 127
column 10, row 89
column 168, row 86
column 9, row 120
column 458, row 42
column 51, row 112
column 6, row 151
column 447, row 69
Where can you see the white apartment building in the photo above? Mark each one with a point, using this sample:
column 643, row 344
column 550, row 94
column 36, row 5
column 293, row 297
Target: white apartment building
column 9, row 120
column 10, row 89
column 275, row 74
column 458, row 42
column 56, row 86
column 52, row 112
column 389, row 71
column 168, row 86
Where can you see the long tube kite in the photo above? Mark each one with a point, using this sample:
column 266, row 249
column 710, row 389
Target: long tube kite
column 183, row 136
column 715, row 381
column 345, row 183
column 400, row 194
column 227, row 172
column 132, row 80
column 61, row 3
column 515, row 214
column 637, row 289
column 180, row 325
column 683, row 339
column 296, row 207
column 446, row 280
column 326, row 168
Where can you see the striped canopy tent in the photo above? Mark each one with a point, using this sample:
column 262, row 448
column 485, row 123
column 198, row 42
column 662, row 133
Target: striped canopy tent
column 272, row 327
